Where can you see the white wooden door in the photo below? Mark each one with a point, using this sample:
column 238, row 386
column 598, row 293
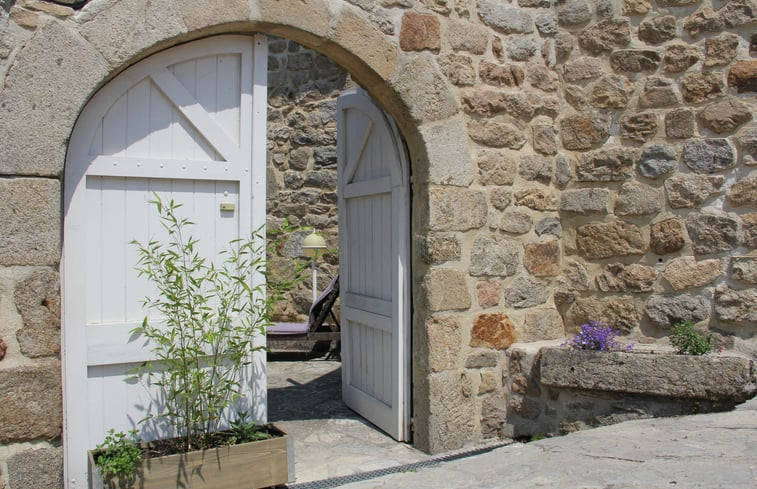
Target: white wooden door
column 189, row 125
column 374, row 263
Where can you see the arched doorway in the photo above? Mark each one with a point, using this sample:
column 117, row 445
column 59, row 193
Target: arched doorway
column 188, row 123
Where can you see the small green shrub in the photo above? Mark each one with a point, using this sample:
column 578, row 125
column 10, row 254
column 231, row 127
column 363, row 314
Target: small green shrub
column 243, row 431
column 687, row 341
column 119, row 454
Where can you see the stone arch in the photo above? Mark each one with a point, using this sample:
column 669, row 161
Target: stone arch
column 104, row 39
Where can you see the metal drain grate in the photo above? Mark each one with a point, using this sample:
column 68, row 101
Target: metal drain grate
column 364, row 476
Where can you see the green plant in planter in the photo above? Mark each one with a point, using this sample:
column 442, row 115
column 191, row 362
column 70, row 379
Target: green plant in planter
column 209, row 316
column 687, row 341
column 119, row 454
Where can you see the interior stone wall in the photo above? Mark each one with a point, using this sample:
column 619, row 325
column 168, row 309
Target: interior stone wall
column 571, row 159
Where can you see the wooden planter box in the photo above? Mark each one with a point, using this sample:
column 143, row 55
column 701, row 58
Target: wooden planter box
column 248, row 465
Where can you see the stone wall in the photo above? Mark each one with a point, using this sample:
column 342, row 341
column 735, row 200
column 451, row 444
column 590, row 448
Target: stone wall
column 571, row 159
column 302, row 179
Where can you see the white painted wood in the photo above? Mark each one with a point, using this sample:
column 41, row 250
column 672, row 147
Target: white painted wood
column 188, row 124
column 374, row 259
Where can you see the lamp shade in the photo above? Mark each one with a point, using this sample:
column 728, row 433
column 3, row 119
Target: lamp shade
column 313, row 244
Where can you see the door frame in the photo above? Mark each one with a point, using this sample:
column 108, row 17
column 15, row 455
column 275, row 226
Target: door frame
column 78, row 161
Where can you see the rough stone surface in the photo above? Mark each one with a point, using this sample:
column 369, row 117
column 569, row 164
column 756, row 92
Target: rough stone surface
column 495, row 168
column 720, row 50
column 448, row 147
column 582, row 69
column 41, row 468
column 749, row 230
column 743, row 192
column 743, row 76
column 563, row 171
column 542, row 259
column 574, row 12
column 501, row 76
column 496, row 134
column 512, row 222
column 536, row 198
column 458, row 69
column 712, row 234
column 637, row 199
column 493, row 415
column 605, row 240
column 525, row 292
column 631, row 278
column 467, row 36
column 535, row 168
column 606, row 165
column 507, row 20
column 658, row 29
column 697, row 87
column 435, row 102
column 688, row 190
column 440, row 247
column 493, row 331
column 444, row 342
column 657, row 160
column 528, row 407
column 494, row 256
column 546, row 24
column 606, row 35
column 680, row 57
column 678, row 376
column 666, row 236
column 31, row 400
column 725, row 116
column 550, row 226
column 686, row 272
column 639, row 127
column 665, row 311
column 520, row 49
column 446, row 289
column 611, row 92
column 481, row 358
column 738, row 12
column 542, row 78
column 658, row 92
column 680, row 124
column 419, row 32
column 500, row 198
column 703, row 21
column 37, row 299
column 450, row 409
column 636, row 7
column 34, row 96
column 542, row 324
column 456, row 209
column 619, row 314
column 744, row 268
column 634, row 60
column 544, row 139
column 582, row 132
column 708, row 155
column 747, row 141
column 488, row 293
column 30, row 213
column 736, row 306
column 585, row 201
column 3, row 349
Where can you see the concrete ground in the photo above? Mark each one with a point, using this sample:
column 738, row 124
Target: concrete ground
column 717, row 450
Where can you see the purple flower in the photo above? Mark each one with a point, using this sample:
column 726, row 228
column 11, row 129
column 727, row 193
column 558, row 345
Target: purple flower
column 596, row 336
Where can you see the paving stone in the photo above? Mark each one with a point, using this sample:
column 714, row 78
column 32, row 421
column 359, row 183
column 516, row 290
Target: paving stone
column 687, row 190
column 657, row 160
